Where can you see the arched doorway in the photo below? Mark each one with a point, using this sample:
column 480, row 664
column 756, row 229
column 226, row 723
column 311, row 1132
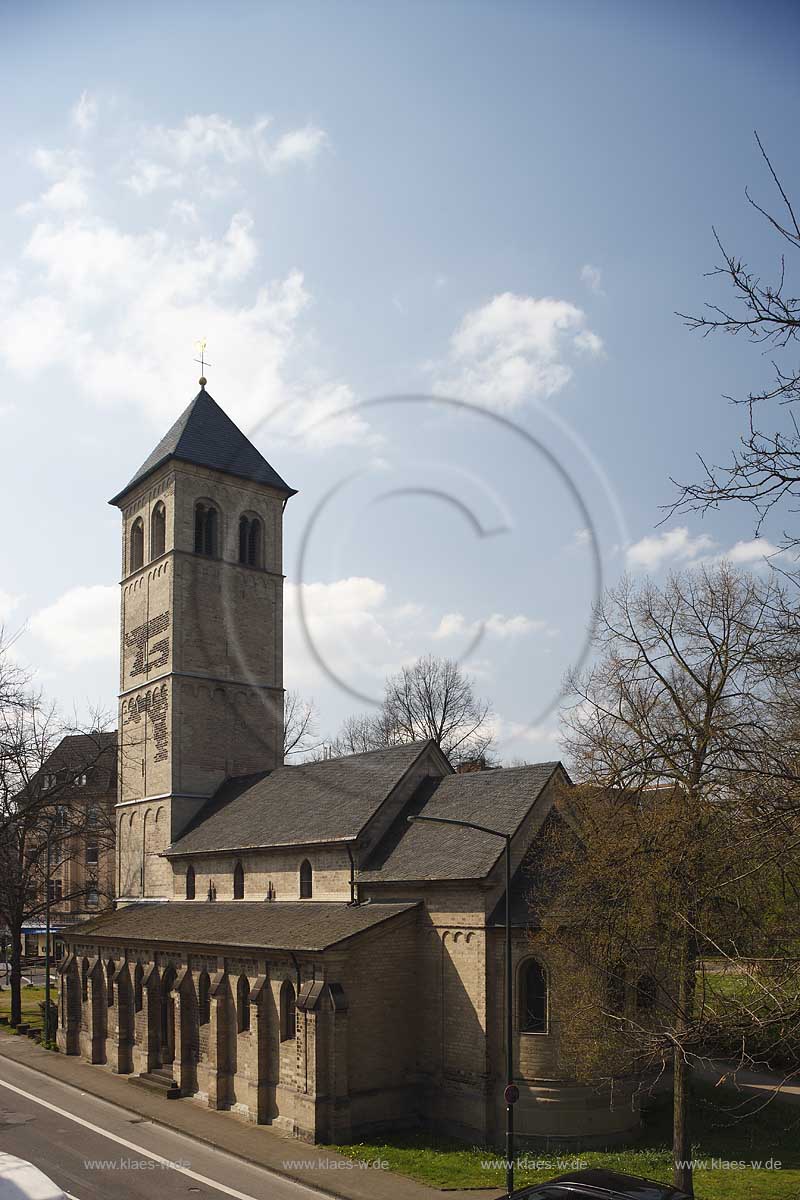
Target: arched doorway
column 167, row 1015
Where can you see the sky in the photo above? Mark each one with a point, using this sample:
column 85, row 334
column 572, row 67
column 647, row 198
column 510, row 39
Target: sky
column 437, row 250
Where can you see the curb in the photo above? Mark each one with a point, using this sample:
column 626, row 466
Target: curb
column 312, row 1185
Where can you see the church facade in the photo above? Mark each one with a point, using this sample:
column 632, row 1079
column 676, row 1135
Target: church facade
column 285, row 943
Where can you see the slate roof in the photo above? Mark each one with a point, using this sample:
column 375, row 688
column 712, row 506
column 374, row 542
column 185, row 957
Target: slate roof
column 500, row 799
column 205, row 435
column 265, row 925
column 323, row 801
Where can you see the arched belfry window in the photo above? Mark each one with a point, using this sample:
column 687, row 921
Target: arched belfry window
column 238, row 882
column 136, row 551
column 190, row 883
column 306, row 880
column 243, row 1004
column 206, row 529
column 158, row 530
column 250, row 554
column 288, row 1011
column 533, row 1004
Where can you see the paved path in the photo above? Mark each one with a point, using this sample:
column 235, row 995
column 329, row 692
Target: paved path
column 753, row 1082
column 221, row 1143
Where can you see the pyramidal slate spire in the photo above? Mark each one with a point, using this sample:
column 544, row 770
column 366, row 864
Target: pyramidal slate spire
column 206, row 436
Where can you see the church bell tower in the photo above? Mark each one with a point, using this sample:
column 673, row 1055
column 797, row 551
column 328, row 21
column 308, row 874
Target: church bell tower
column 201, row 654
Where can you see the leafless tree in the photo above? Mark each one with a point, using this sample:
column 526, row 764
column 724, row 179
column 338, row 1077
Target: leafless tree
column 432, row 698
column 674, row 739
column 39, row 811
column 764, row 471
column 299, row 726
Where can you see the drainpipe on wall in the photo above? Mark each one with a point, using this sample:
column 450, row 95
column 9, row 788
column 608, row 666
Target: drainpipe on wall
column 353, row 884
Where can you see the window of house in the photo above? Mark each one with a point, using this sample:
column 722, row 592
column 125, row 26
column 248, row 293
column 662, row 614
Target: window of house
column 288, row 1011
column 204, row 998
column 158, row 530
column 616, row 989
column 92, row 896
column 82, row 780
column 238, row 882
column 250, row 541
column 190, row 883
column 136, row 554
column 646, row 989
column 61, row 816
column 243, row 1004
column 533, row 998
column 55, row 890
column 92, row 815
column 306, row 880
column 206, row 528
column 91, row 853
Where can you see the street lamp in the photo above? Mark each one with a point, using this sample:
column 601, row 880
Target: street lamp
column 511, row 1092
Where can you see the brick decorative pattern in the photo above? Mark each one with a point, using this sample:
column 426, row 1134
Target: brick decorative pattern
column 149, row 658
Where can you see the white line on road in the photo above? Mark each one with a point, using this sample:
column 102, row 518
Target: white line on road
column 145, row 1153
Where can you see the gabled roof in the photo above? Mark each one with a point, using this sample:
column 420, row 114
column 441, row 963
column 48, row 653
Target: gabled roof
column 419, row 851
column 266, row 925
column 326, row 801
column 205, row 435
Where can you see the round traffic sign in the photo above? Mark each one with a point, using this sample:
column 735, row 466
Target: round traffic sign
column 511, row 1094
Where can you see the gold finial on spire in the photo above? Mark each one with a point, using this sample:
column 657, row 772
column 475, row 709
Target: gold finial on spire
column 201, row 348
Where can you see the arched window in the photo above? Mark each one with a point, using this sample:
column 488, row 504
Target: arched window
column 250, row 541
column 288, row 1016
column 190, row 883
column 306, row 880
column 110, row 982
column 206, row 522
column 158, row 530
column 85, row 979
column 615, row 990
column 138, row 990
column 243, row 1004
column 646, row 988
column 136, row 554
column 238, row 882
column 204, row 998
column 533, row 998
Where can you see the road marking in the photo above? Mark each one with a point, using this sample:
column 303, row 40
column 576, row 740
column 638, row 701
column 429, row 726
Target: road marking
column 145, row 1153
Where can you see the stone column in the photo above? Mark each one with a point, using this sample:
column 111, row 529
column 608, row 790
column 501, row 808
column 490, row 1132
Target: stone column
column 220, row 1043
column 97, row 1011
column 146, row 1050
column 120, row 1032
column 186, row 1032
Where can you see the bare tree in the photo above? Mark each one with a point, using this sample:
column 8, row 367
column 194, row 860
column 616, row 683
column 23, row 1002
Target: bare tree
column 673, row 738
column 764, row 470
column 299, row 725
column 433, row 698
column 40, row 817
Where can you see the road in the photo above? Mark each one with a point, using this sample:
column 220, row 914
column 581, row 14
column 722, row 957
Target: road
column 94, row 1150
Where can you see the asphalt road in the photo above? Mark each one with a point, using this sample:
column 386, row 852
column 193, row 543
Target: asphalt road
column 94, row 1150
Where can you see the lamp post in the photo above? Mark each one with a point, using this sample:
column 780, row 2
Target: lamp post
column 47, row 948
column 511, row 1092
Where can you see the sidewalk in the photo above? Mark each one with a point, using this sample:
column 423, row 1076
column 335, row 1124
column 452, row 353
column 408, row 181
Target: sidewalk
column 256, row 1144
column 753, row 1082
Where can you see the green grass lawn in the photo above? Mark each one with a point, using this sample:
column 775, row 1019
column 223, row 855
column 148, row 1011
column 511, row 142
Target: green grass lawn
column 720, row 1133
column 31, row 996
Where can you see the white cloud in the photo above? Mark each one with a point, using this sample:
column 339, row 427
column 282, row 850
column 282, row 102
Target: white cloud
column 8, row 603
column 455, row 624
column 593, row 278
column 515, row 348
column 673, row 546
column 754, row 551
column 185, row 211
column 346, row 620
column 84, row 113
column 68, row 174
column 81, row 626
column 298, row 146
column 210, row 147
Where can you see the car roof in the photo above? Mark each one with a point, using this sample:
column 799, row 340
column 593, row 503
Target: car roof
column 21, row 1180
column 632, row 1186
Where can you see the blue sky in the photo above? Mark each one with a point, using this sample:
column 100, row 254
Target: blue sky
column 501, row 203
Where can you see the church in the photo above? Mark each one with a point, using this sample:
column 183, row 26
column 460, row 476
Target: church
column 285, row 943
